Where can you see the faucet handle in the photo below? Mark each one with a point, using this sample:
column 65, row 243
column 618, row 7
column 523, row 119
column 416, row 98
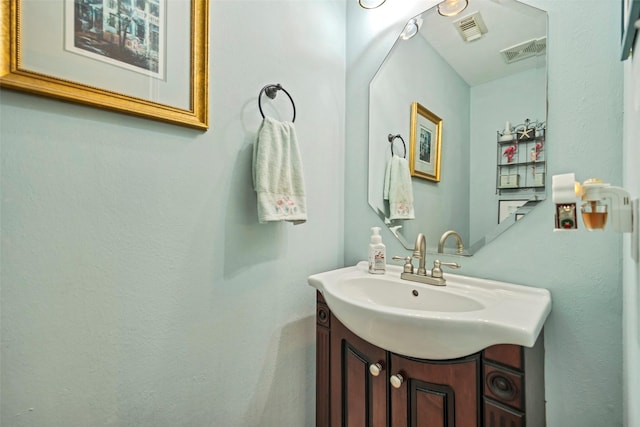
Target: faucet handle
column 408, row 266
column 437, row 271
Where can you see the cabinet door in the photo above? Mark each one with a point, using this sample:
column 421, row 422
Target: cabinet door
column 497, row 416
column 435, row 394
column 358, row 398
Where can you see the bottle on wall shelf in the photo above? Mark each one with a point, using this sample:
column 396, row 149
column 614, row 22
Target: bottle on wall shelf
column 377, row 253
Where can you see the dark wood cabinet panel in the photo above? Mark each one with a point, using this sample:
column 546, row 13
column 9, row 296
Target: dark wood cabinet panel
column 501, row 386
column 323, row 352
column 322, row 377
column 506, row 354
column 358, row 398
column 435, row 393
column 496, row 416
column 504, row 386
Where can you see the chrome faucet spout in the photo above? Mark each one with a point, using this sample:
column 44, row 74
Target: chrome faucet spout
column 460, row 245
column 433, row 277
column 420, row 252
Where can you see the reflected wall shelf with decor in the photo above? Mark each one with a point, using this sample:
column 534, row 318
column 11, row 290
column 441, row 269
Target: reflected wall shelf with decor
column 521, row 164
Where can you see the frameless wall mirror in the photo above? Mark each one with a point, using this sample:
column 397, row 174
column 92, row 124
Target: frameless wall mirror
column 475, row 72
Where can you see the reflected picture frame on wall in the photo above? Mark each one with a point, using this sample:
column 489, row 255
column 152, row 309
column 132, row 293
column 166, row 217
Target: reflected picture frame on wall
column 147, row 59
column 425, row 143
column 630, row 14
column 507, row 208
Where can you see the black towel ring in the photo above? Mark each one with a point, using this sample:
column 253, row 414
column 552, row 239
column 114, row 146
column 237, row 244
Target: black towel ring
column 393, row 138
column 271, row 91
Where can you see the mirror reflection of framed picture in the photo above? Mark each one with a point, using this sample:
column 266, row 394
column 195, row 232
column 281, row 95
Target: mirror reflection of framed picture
column 425, row 144
column 506, row 208
column 630, row 14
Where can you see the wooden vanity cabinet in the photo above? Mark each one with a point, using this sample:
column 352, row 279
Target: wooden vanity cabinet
column 435, row 393
column 483, row 389
column 513, row 389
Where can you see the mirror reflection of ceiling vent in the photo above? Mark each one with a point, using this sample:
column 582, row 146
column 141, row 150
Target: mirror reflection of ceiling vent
column 471, row 27
column 524, row 50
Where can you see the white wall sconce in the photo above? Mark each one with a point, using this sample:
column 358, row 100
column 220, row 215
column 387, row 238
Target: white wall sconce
column 370, row 4
column 452, row 7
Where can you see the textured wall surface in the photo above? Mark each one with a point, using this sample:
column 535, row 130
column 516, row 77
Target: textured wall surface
column 138, row 288
column 631, row 273
column 582, row 270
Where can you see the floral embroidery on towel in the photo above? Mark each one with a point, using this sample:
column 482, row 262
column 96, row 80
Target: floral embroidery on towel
column 286, row 206
column 403, row 209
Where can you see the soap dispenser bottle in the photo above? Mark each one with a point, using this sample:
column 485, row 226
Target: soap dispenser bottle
column 377, row 253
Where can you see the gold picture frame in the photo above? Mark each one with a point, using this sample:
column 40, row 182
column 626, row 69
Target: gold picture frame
column 425, row 144
column 630, row 14
column 179, row 98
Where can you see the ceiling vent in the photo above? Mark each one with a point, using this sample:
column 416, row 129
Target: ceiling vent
column 471, row 27
column 524, row 50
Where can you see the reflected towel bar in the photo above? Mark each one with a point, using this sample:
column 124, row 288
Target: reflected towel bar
column 392, row 138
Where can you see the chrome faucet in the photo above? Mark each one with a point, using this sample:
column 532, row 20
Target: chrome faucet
column 444, row 237
column 420, row 252
column 433, row 277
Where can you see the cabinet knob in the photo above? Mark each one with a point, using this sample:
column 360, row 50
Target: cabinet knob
column 396, row 380
column 376, row 368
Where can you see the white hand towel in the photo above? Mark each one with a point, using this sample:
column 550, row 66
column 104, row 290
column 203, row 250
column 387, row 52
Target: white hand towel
column 398, row 189
column 277, row 174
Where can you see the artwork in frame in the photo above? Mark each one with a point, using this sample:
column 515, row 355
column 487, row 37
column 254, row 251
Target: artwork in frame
column 147, row 58
column 507, row 208
column 425, row 143
column 630, row 15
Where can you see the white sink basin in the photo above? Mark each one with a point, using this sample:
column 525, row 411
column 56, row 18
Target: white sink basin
column 433, row 322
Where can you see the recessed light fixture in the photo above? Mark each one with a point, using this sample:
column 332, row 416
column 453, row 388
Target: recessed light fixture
column 412, row 28
column 452, row 7
column 370, row 4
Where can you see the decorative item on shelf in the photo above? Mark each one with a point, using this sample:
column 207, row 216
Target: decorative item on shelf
column 526, row 131
column 521, row 164
column 506, row 134
column 510, row 152
column 535, row 152
column 510, row 181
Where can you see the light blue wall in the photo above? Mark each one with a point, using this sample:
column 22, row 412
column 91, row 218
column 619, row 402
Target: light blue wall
column 631, row 272
column 138, row 288
column 583, row 335
column 514, row 99
column 442, row 91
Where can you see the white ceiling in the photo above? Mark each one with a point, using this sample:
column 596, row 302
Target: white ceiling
column 509, row 23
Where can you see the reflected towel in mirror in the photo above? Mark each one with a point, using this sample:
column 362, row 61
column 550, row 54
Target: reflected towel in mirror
column 277, row 173
column 398, row 190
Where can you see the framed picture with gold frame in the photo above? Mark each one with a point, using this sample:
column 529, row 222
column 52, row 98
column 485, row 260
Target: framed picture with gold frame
column 630, row 14
column 426, row 143
column 143, row 58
